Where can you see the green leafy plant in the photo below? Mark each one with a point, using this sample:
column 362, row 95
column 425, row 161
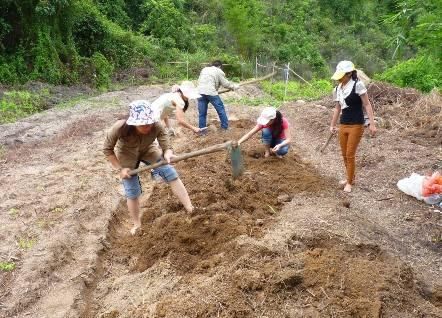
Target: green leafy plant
column 26, row 243
column 7, row 266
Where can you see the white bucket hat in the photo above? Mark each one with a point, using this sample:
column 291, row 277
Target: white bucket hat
column 141, row 113
column 342, row 68
column 188, row 89
column 267, row 115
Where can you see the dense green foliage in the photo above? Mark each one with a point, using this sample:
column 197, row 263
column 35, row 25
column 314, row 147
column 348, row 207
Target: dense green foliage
column 87, row 41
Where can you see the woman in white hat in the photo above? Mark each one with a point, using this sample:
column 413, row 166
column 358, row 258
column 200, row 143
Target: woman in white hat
column 130, row 142
column 275, row 132
column 351, row 100
column 177, row 102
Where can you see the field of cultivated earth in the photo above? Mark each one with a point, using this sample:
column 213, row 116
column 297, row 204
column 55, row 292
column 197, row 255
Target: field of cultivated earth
column 280, row 241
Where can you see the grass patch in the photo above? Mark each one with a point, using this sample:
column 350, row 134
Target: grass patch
column 25, row 243
column 18, row 104
column 13, row 212
column 7, row 266
column 258, row 101
column 296, row 90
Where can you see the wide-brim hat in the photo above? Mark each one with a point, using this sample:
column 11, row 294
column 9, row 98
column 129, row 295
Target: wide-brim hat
column 267, row 115
column 343, row 68
column 141, row 113
column 189, row 90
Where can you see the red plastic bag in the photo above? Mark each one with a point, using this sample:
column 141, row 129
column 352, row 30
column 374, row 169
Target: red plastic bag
column 432, row 185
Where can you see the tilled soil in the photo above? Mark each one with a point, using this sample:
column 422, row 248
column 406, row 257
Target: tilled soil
column 280, row 241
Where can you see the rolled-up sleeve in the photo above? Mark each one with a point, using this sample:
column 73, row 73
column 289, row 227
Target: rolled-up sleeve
column 162, row 137
column 111, row 139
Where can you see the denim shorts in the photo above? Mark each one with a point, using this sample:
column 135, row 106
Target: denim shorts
column 132, row 186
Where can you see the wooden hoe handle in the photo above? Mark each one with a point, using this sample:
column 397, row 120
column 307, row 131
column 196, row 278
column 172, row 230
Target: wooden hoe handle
column 204, row 151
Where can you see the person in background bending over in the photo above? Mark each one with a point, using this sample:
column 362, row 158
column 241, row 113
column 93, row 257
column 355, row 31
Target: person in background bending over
column 177, row 102
column 209, row 81
column 130, row 142
column 275, row 132
column 351, row 99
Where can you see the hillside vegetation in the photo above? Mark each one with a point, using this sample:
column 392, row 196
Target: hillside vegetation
column 90, row 41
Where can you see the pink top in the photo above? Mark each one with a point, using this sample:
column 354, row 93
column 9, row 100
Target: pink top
column 285, row 125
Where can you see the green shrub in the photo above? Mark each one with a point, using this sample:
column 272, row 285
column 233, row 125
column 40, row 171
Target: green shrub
column 102, row 71
column 47, row 65
column 423, row 73
column 18, row 104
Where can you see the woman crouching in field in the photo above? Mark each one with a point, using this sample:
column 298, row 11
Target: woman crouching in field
column 275, row 132
column 130, row 142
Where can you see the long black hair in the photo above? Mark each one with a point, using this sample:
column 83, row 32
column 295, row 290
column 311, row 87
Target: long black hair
column 186, row 102
column 277, row 125
column 354, row 75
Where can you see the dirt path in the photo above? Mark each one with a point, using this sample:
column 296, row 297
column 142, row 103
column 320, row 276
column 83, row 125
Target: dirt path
column 280, row 242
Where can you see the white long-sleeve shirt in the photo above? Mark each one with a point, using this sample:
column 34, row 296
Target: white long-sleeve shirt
column 210, row 80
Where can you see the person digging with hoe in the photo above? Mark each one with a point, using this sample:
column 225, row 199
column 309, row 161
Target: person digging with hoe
column 177, row 102
column 209, row 81
column 351, row 98
column 131, row 141
column 275, row 132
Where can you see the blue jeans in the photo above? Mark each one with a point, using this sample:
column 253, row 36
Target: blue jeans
column 132, row 186
column 268, row 139
column 203, row 103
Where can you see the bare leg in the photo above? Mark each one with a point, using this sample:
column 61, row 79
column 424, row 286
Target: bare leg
column 179, row 190
column 133, row 205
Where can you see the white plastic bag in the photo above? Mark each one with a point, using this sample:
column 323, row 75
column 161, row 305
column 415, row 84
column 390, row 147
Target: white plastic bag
column 412, row 185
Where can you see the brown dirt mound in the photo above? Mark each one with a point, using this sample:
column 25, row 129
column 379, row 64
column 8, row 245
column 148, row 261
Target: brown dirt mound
column 225, row 270
column 320, row 277
column 225, row 208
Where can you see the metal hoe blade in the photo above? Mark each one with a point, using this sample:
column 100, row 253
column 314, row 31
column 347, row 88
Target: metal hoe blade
column 236, row 160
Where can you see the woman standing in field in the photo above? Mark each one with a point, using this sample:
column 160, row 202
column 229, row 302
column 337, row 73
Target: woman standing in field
column 275, row 132
column 351, row 100
column 177, row 102
column 130, row 142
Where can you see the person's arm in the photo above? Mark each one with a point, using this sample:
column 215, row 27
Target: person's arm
column 369, row 110
column 287, row 141
column 108, row 150
column 181, row 119
column 249, row 134
column 166, row 122
column 334, row 121
column 225, row 83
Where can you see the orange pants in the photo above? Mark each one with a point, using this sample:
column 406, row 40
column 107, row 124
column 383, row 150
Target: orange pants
column 349, row 137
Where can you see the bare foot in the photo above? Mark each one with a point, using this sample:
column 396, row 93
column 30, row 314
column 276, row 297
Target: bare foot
column 135, row 229
column 342, row 182
column 347, row 188
column 266, row 154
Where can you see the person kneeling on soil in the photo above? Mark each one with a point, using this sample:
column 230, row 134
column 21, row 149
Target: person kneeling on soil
column 177, row 102
column 130, row 142
column 275, row 132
